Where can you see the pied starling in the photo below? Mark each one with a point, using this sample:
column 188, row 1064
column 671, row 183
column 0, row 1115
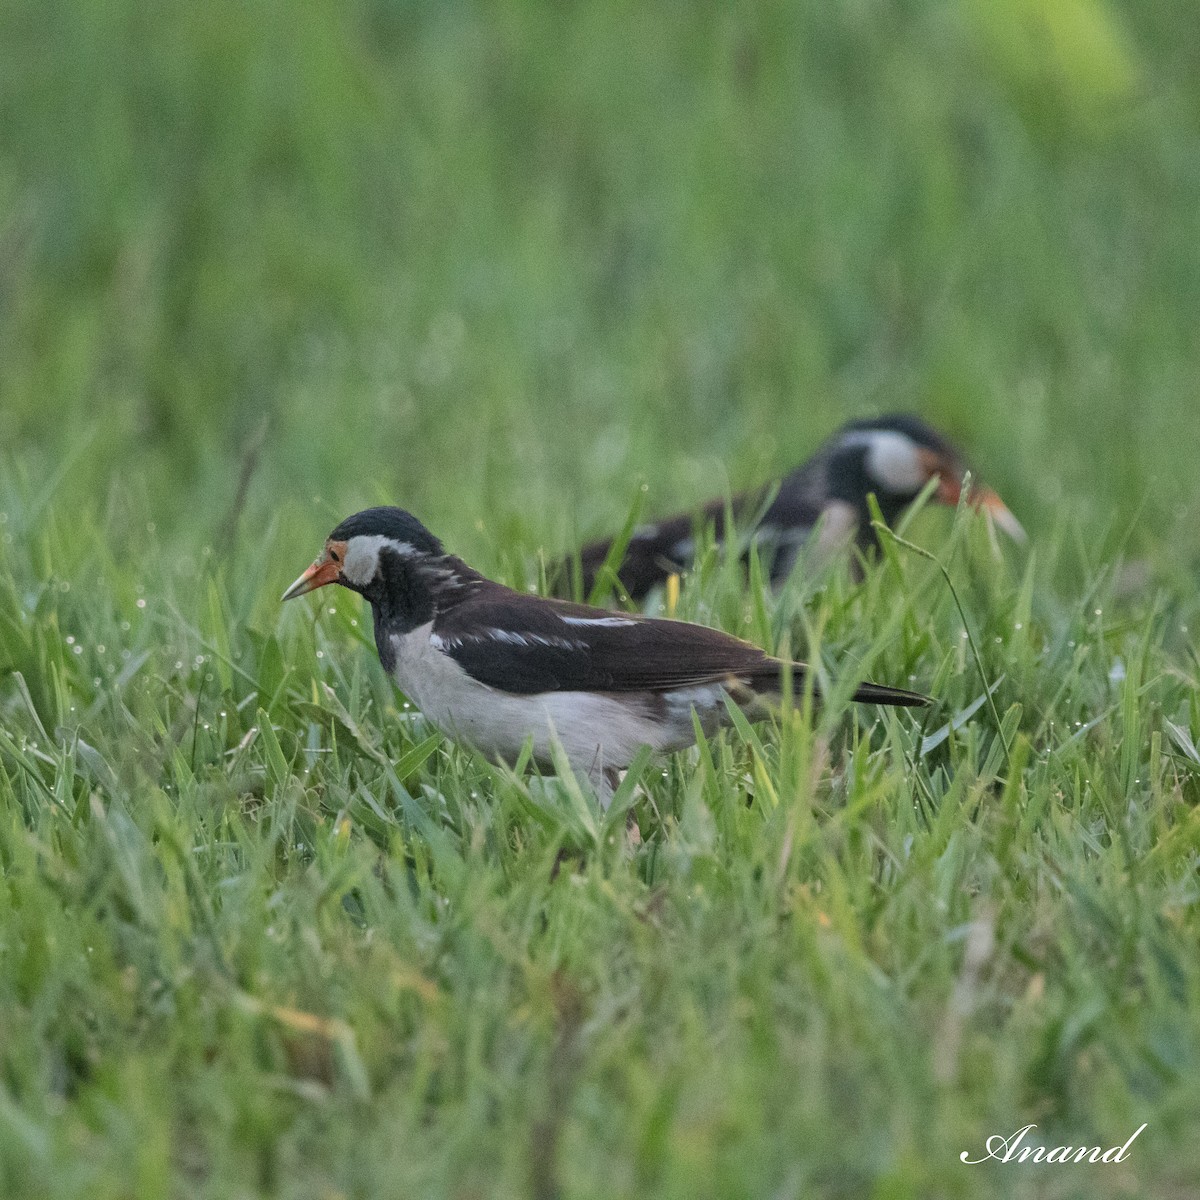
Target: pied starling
column 893, row 457
column 497, row 668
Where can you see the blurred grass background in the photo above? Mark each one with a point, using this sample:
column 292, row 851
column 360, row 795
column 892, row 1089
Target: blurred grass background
column 509, row 260
column 262, row 264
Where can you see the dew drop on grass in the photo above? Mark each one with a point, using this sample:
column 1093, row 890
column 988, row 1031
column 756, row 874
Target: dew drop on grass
column 353, row 620
column 141, row 602
column 70, row 639
column 332, row 611
column 1017, row 625
column 125, row 627
column 100, row 648
column 320, row 653
column 77, row 649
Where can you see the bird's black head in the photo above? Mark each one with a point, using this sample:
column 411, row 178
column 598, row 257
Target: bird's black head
column 907, row 425
column 392, row 524
column 368, row 551
column 895, row 456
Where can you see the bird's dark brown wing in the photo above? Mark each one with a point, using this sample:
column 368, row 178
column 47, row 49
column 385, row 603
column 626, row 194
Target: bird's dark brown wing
column 651, row 556
column 526, row 645
column 656, row 550
column 666, row 547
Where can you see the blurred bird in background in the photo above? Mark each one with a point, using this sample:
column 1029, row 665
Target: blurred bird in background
column 891, row 457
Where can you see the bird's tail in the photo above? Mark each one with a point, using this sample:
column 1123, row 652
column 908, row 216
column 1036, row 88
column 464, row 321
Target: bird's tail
column 866, row 693
column 880, row 693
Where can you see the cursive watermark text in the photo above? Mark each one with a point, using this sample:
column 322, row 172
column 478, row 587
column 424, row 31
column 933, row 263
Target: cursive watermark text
column 1011, row 1149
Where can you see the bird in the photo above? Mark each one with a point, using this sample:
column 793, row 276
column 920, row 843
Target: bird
column 499, row 669
column 892, row 457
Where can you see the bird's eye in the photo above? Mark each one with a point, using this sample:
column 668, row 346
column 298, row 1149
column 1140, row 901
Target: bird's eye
column 337, row 558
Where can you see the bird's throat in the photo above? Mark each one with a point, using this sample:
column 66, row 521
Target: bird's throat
column 409, row 591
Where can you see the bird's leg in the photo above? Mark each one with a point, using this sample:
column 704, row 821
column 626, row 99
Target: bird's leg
column 612, row 781
column 604, row 781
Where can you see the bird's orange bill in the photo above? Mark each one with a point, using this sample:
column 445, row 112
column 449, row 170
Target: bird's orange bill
column 950, row 492
column 999, row 512
column 322, row 572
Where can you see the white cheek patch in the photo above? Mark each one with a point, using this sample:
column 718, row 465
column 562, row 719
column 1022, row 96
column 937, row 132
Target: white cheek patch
column 362, row 558
column 893, row 461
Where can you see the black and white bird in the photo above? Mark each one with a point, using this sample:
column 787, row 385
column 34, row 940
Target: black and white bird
column 893, row 457
column 496, row 668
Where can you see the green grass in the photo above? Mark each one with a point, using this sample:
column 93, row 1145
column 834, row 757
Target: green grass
column 262, row 932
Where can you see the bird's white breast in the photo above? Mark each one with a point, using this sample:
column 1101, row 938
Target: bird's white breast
column 596, row 730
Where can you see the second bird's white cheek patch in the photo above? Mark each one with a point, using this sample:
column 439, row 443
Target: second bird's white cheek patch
column 894, row 463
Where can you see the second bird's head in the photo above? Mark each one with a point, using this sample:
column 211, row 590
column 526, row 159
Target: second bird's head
column 369, row 550
column 895, row 457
